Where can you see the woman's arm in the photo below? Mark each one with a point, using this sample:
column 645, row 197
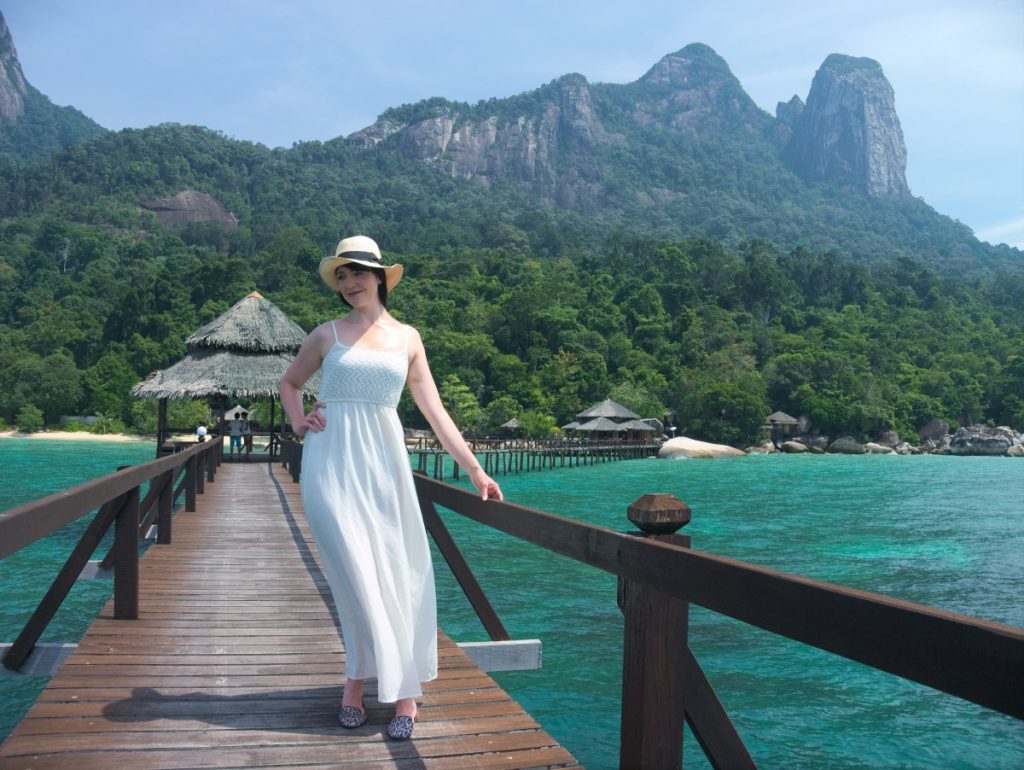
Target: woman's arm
column 424, row 392
column 307, row 361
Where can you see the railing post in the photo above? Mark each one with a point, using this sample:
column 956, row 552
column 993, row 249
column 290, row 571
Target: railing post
column 126, row 558
column 200, row 476
column 190, row 483
column 211, row 465
column 655, row 630
column 165, row 507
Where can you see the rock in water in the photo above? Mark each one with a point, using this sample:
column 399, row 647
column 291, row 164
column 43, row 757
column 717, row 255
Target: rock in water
column 681, row 446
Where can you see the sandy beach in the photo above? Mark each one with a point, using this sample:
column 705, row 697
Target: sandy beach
column 60, row 435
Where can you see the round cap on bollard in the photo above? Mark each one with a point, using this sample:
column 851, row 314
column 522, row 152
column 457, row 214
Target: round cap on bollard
column 658, row 514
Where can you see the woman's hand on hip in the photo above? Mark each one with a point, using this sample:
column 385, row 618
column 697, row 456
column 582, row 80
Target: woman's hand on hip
column 313, row 421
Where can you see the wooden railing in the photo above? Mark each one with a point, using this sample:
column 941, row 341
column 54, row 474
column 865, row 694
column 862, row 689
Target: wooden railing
column 118, row 498
column 659, row 576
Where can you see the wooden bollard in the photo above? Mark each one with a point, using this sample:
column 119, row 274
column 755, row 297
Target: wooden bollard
column 654, row 638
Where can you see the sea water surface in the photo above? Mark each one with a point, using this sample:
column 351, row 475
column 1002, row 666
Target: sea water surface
column 942, row 531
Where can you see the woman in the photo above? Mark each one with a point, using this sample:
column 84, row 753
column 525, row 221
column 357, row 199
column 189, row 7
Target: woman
column 357, row 486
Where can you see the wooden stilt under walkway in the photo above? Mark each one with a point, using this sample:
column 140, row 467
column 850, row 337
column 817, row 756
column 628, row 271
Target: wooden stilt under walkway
column 235, row 662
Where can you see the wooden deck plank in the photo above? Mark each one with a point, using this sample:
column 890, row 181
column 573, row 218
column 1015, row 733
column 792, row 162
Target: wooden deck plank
column 235, row 661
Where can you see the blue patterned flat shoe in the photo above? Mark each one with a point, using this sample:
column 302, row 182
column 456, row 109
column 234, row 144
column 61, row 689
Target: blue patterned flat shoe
column 400, row 728
column 352, row 717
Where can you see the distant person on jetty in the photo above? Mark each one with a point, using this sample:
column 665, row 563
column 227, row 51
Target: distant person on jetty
column 247, row 434
column 357, row 484
column 235, row 432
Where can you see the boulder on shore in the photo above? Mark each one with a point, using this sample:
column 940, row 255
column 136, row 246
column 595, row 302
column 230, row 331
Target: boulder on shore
column 683, row 447
column 873, row 448
column 889, row 438
column 793, row 447
column 934, row 430
column 846, row 445
column 981, row 440
column 813, row 441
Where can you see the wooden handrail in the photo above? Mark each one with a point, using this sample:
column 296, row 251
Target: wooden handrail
column 117, row 497
column 23, row 525
column 978, row 660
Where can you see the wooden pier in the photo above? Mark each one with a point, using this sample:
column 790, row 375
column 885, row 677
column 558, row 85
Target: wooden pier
column 235, row 661
column 219, row 650
column 504, row 457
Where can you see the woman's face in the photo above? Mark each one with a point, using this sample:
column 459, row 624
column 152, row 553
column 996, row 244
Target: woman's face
column 357, row 285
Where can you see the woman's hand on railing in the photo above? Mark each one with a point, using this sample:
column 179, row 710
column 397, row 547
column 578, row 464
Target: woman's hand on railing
column 312, row 421
column 488, row 487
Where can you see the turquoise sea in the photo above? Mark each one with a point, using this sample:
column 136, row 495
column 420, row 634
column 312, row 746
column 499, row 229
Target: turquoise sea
column 943, row 531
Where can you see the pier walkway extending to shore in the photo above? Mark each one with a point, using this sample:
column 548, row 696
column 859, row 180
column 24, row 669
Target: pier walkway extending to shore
column 235, row 661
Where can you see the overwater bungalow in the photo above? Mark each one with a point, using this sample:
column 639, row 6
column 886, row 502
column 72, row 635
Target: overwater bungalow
column 610, row 421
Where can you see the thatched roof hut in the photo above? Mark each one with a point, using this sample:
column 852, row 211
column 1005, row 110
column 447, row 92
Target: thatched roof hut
column 242, row 353
column 206, row 373
column 608, row 408
column 781, row 418
column 780, row 424
column 600, row 425
column 612, row 418
column 254, row 324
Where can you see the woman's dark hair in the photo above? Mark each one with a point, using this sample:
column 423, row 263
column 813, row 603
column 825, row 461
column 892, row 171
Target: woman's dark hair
column 382, row 287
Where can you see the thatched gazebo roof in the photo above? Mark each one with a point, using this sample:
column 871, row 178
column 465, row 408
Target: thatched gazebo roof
column 240, row 354
column 206, row 373
column 254, row 324
column 781, row 418
column 610, row 409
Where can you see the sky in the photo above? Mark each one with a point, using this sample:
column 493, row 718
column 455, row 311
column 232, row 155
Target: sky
column 280, row 72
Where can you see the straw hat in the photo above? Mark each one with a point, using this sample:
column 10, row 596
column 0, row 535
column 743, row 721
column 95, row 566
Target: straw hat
column 358, row 250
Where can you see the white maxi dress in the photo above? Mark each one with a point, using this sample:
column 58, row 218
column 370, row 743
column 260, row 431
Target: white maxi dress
column 359, row 498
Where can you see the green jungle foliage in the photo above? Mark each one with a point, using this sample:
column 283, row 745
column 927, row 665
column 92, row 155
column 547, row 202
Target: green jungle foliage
column 526, row 312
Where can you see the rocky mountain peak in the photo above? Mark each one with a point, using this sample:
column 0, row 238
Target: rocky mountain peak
column 13, row 87
column 849, row 131
column 693, row 89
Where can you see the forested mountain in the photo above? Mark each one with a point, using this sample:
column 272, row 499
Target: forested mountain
column 711, row 273
column 31, row 126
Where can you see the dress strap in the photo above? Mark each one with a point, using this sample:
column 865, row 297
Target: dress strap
column 335, row 330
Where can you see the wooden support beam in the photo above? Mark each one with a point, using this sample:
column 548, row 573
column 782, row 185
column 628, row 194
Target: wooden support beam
column 126, row 558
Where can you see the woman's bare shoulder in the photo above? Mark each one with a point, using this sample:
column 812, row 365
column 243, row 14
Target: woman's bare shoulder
column 322, row 337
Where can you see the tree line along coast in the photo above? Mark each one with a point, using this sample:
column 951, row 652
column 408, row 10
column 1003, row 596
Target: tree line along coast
column 717, row 337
